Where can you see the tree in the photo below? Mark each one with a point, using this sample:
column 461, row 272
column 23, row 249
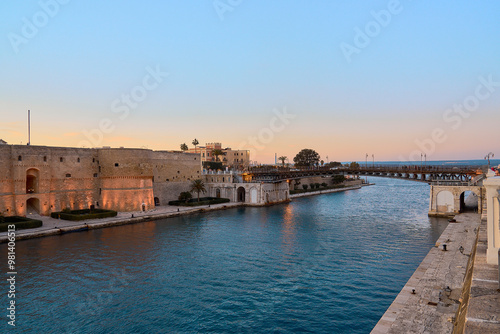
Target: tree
column 185, row 196
column 195, row 143
column 184, row 147
column 354, row 165
column 216, row 153
column 306, row 158
column 336, row 179
column 283, row 159
column 198, row 186
column 333, row 164
column 322, row 163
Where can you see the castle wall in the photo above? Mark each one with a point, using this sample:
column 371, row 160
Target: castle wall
column 173, row 173
column 47, row 179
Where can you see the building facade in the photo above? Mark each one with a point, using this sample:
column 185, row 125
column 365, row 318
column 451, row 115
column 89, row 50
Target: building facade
column 41, row 179
column 230, row 157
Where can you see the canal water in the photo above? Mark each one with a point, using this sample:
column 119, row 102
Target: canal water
column 324, row 264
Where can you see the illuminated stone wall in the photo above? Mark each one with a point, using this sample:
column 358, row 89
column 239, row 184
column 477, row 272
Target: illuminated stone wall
column 47, row 179
column 173, row 174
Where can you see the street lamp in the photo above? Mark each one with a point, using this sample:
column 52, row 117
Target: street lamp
column 366, row 160
column 490, row 155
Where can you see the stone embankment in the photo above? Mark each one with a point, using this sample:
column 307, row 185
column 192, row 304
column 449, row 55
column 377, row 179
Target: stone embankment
column 452, row 289
column 320, row 192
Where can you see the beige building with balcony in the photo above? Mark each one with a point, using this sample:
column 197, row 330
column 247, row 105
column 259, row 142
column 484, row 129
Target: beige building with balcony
column 233, row 158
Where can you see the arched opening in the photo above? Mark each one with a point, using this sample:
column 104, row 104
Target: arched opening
column 267, row 198
column 253, row 195
column 241, row 194
column 217, row 193
column 32, row 181
column 33, row 206
column 469, row 201
column 445, row 201
column 157, row 201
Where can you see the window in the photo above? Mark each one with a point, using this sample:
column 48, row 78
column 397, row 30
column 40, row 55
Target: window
column 45, row 159
column 100, row 192
column 78, row 160
column 116, row 164
column 95, row 174
column 93, row 159
column 68, row 175
column 61, row 159
column 99, row 169
column 178, row 172
column 19, row 158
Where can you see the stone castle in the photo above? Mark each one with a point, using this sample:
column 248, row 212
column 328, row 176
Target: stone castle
column 41, row 179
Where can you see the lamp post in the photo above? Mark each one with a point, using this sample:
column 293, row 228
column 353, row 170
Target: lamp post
column 366, row 160
column 487, row 157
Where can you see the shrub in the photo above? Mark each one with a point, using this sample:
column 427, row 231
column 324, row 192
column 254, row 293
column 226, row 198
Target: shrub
column 185, row 196
column 336, row 179
column 21, row 223
column 324, row 185
column 76, row 215
column 305, row 186
column 203, row 201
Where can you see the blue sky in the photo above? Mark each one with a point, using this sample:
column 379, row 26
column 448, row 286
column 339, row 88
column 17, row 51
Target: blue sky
column 229, row 71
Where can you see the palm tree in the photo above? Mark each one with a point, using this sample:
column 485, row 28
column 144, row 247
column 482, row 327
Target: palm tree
column 216, row 153
column 283, row 158
column 195, row 142
column 198, row 186
column 184, row 147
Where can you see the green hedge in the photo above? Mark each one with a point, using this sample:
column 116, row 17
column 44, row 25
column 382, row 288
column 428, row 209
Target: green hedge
column 76, row 215
column 21, row 223
column 203, row 201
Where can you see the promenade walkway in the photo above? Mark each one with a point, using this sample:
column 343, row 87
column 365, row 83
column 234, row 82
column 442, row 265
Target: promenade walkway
column 441, row 285
column 437, row 282
column 483, row 314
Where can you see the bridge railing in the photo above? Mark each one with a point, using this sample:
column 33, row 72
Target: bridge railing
column 374, row 168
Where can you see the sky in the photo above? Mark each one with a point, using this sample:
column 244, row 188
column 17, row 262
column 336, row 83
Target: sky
column 393, row 79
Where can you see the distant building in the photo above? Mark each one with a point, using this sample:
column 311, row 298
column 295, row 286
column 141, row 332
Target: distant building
column 3, row 142
column 231, row 158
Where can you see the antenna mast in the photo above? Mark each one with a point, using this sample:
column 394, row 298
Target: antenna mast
column 29, row 128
